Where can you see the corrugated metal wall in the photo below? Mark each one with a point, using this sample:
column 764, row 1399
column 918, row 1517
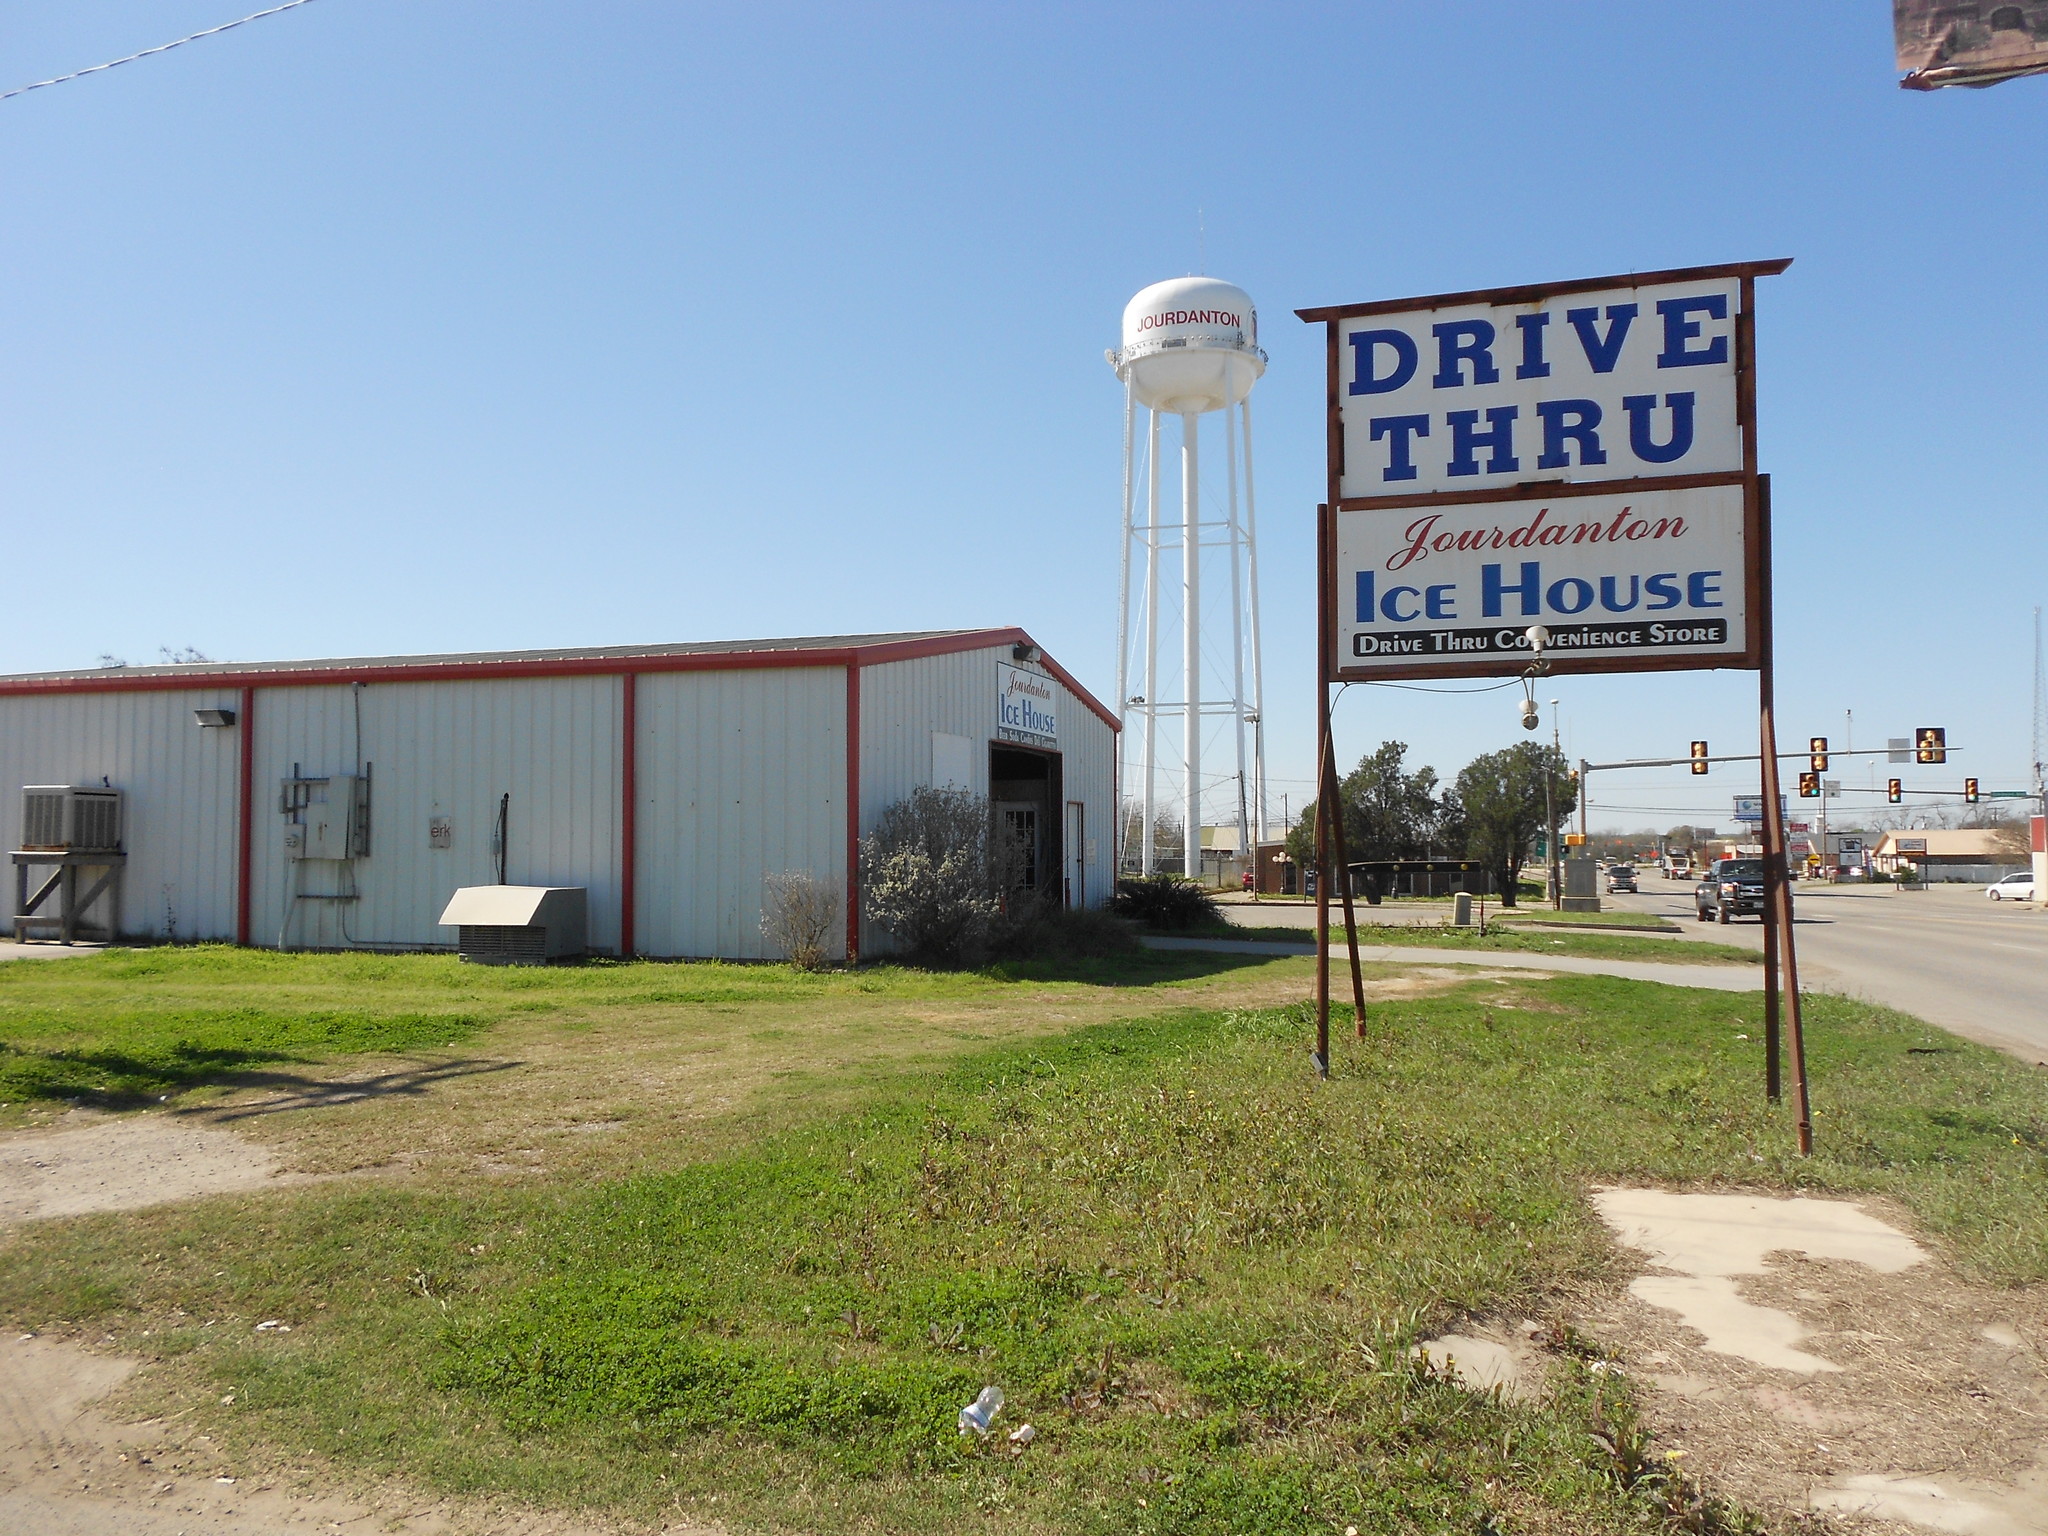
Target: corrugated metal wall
column 180, row 806
column 904, row 702
column 741, row 775
column 440, row 749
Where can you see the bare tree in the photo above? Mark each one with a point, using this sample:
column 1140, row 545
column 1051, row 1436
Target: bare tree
column 799, row 912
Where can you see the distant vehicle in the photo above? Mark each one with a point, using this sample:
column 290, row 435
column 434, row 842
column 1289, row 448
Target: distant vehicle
column 1621, row 878
column 1733, row 888
column 2019, row 887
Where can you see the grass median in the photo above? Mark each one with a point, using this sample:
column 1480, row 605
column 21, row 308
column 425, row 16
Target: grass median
column 1194, row 1269
column 1497, row 938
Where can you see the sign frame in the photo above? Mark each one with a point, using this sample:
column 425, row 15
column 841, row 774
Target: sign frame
column 1755, row 516
column 1780, row 951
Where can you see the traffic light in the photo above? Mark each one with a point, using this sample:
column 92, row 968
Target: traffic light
column 1809, row 786
column 1930, row 745
column 1970, row 790
column 1699, row 757
column 1894, row 791
column 1818, row 746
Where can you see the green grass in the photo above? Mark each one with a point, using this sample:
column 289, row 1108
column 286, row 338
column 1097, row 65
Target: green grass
column 1191, row 1266
column 125, row 1028
column 1592, row 945
column 1645, row 920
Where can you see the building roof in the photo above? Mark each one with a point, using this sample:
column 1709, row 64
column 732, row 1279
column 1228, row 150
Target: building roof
column 568, row 661
column 1982, row 844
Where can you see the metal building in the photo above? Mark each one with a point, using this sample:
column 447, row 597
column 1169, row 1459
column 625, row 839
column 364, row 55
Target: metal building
column 339, row 804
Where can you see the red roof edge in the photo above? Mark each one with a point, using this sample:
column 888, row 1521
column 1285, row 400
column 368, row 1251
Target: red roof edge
column 577, row 666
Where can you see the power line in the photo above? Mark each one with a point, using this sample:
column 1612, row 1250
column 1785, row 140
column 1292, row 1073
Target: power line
column 227, row 26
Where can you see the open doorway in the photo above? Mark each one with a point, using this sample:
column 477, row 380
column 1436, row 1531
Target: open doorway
column 1025, row 792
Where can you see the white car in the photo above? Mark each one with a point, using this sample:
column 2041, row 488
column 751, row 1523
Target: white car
column 2019, row 887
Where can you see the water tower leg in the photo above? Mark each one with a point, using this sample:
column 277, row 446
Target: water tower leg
column 1148, row 842
column 1123, row 635
column 1251, row 561
column 1244, row 850
column 1191, row 642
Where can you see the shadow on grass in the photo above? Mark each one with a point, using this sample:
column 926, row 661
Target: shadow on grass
column 129, row 1079
column 295, row 1092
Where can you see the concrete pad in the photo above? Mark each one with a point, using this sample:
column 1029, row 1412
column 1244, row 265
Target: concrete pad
column 1710, row 1240
column 1965, row 1509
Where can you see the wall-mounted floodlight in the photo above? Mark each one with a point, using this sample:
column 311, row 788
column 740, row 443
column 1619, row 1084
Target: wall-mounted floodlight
column 213, row 717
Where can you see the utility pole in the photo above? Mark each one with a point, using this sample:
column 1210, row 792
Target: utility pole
column 2040, row 710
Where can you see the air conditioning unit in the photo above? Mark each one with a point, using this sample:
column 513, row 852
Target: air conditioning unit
column 69, row 818
column 519, row 924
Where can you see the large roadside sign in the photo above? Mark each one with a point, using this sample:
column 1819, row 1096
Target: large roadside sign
column 1578, row 455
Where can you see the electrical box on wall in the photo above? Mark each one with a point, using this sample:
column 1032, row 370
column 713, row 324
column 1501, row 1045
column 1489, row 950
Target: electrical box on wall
column 328, row 818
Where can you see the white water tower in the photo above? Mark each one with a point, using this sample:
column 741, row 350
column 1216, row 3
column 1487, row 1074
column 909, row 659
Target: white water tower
column 1190, row 349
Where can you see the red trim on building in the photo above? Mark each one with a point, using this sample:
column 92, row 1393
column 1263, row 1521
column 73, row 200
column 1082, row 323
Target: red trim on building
column 629, row 806
column 852, row 812
column 115, row 681
column 245, row 814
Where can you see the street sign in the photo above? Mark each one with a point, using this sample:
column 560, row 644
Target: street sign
column 1576, row 455
column 1898, row 749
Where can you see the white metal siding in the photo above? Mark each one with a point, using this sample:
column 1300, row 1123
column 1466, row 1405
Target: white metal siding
column 442, row 749
column 903, row 702
column 741, row 775
column 179, row 781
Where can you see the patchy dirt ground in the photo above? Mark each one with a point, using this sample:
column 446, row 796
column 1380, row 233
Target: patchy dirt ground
column 1927, row 1408
column 69, row 1469
column 97, row 1162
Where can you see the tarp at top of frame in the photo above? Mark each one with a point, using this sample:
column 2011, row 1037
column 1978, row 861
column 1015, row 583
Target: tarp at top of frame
column 1941, row 43
column 1578, row 455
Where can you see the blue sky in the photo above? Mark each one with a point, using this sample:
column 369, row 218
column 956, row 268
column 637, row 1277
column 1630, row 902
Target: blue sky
column 379, row 327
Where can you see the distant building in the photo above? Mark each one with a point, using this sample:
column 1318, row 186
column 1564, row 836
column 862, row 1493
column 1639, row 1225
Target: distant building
column 1967, row 855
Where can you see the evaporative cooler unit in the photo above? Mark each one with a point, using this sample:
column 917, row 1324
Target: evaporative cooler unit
column 518, row 924
column 66, row 818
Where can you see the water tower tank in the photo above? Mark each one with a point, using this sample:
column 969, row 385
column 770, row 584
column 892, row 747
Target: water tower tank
column 1191, row 344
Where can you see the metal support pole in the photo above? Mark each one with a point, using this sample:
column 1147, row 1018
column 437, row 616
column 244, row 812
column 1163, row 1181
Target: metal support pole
column 1331, row 792
column 1148, row 850
column 1123, row 621
column 1322, row 842
column 1251, row 557
column 1236, row 625
column 1191, row 643
column 1777, row 889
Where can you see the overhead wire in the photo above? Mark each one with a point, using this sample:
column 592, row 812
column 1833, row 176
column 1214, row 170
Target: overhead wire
column 226, row 26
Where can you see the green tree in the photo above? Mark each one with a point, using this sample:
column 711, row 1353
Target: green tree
column 1389, row 812
column 1500, row 797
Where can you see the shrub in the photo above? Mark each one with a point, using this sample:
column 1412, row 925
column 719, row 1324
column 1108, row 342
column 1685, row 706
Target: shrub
column 1165, row 901
column 799, row 911
column 938, row 879
column 1064, row 935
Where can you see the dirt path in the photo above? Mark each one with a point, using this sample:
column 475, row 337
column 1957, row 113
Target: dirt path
column 96, row 1162
column 67, row 1468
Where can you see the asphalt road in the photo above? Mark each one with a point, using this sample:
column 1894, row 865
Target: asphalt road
column 1946, row 954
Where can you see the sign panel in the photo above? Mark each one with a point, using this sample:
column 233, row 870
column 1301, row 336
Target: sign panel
column 1026, row 709
column 1578, row 455
column 1940, row 43
column 1657, row 578
column 1606, row 384
column 1911, row 845
column 1751, row 807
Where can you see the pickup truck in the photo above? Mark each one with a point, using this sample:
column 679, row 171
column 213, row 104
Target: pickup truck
column 1733, row 888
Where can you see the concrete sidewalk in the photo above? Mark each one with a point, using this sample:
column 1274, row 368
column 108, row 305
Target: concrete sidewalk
column 1716, row 978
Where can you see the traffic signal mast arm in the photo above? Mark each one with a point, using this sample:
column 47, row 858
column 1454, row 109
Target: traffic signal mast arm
column 1737, row 757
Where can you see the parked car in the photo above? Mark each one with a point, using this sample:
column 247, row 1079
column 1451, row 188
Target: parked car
column 2017, row 887
column 1733, row 888
column 1620, row 878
